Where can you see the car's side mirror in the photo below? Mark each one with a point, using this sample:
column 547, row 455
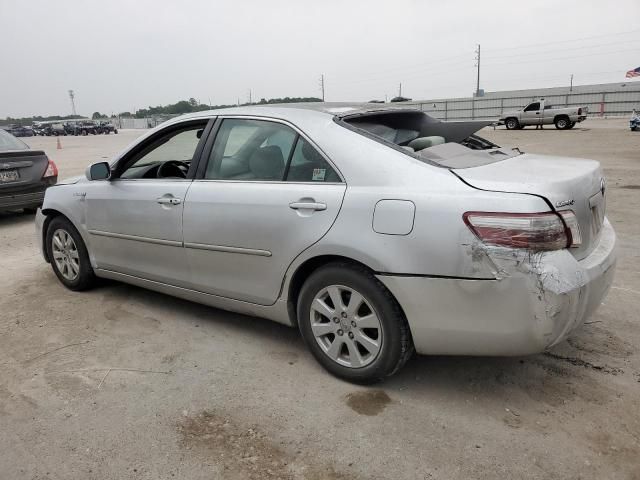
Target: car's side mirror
column 98, row 171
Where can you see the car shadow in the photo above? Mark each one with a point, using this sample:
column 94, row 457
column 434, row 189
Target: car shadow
column 547, row 378
column 15, row 217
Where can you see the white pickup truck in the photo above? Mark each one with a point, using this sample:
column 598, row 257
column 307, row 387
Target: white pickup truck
column 542, row 113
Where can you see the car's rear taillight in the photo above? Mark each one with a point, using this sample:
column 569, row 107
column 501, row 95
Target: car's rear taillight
column 51, row 171
column 532, row 231
column 571, row 221
column 580, row 111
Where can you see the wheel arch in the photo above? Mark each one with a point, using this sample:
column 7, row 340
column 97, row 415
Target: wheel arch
column 306, row 268
column 51, row 213
column 559, row 116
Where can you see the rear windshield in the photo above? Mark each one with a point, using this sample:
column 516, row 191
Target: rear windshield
column 9, row 142
column 444, row 144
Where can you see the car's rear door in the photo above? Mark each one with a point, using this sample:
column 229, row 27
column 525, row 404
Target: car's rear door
column 135, row 219
column 265, row 195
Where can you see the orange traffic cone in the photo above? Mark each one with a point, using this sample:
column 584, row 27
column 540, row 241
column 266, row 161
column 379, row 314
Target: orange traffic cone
column 59, row 145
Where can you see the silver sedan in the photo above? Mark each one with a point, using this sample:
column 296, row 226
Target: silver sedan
column 377, row 231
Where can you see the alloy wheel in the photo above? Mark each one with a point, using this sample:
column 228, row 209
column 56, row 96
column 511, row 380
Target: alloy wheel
column 65, row 254
column 346, row 326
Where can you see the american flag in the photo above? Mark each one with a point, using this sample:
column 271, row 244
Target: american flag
column 633, row 73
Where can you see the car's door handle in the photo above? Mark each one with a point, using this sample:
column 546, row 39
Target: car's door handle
column 169, row 200
column 308, row 206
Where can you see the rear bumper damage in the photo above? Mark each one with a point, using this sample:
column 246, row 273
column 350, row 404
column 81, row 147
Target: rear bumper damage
column 535, row 301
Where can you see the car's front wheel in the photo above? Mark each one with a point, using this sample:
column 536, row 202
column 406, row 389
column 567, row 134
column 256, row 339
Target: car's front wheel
column 68, row 255
column 352, row 324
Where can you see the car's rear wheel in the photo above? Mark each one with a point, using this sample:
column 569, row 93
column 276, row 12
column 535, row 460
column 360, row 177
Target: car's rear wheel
column 512, row 123
column 352, row 324
column 562, row 123
column 68, row 255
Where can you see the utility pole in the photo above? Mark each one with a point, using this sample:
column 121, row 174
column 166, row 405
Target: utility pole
column 73, row 103
column 571, row 84
column 400, row 90
column 322, row 85
column 478, row 67
column 250, row 102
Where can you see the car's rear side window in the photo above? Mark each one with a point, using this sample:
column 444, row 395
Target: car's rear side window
column 307, row 165
column 262, row 150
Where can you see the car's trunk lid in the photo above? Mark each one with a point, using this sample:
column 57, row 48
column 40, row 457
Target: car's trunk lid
column 20, row 168
column 566, row 183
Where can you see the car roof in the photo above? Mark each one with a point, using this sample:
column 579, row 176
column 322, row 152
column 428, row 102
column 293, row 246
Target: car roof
column 333, row 109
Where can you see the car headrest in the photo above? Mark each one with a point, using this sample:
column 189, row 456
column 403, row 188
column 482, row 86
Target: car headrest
column 421, row 143
column 267, row 163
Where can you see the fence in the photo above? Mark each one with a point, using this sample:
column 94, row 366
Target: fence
column 603, row 104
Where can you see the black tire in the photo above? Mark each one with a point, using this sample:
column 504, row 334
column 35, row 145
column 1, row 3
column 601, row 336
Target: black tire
column 562, row 123
column 396, row 345
column 85, row 278
column 115, row 131
column 512, row 123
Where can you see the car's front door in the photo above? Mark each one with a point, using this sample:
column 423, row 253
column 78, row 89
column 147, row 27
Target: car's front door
column 135, row 218
column 532, row 114
column 265, row 196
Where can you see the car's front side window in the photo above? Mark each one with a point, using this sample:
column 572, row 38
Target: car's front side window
column 533, row 107
column 169, row 156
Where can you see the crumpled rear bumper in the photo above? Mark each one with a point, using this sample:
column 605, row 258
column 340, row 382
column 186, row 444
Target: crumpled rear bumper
column 535, row 301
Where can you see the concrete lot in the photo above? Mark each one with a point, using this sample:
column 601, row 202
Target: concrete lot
column 120, row 382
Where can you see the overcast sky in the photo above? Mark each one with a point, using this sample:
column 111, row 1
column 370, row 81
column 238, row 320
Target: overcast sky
column 120, row 55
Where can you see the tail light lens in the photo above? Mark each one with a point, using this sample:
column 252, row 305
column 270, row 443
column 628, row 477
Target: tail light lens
column 571, row 221
column 51, row 171
column 532, row 231
column 580, row 111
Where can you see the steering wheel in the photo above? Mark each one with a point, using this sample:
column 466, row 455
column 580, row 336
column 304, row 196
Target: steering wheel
column 173, row 168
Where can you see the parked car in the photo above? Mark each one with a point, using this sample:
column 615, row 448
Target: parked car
column 39, row 129
column 106, row 128
column 71, row 128
column 374, row 229
column 86, row 127
column 24, row 174
column 20, row 131
column 55, row 129
column 541, row 112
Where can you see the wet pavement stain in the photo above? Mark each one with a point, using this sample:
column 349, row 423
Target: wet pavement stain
column 246, row 452
column 368, row 402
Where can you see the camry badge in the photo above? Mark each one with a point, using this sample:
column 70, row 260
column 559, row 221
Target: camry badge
column 564, row 203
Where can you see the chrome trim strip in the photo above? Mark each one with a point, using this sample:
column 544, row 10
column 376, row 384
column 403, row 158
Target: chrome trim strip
column 136, row 238
column 223, row 248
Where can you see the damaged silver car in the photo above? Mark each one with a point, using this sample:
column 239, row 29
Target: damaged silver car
column 376, row 230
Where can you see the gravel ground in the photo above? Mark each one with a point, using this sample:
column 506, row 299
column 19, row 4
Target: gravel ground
column 120, row 382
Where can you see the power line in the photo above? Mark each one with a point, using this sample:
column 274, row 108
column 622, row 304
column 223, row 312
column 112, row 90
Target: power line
column 594, row 54
column 543, row 52
column 556, row 42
